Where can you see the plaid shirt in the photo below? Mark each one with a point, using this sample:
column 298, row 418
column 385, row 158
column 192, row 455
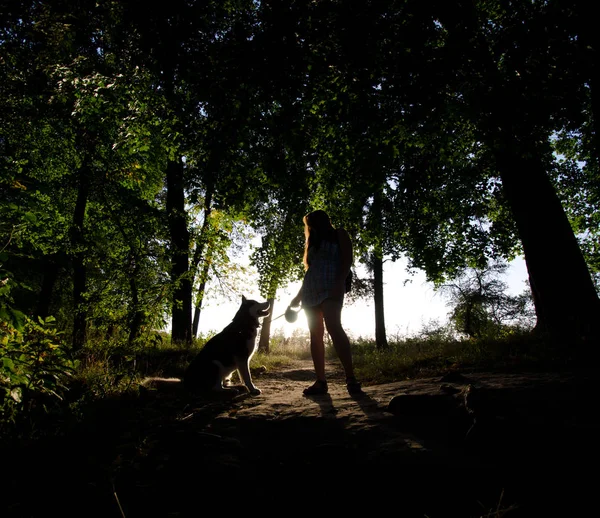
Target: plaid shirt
column 319, row 279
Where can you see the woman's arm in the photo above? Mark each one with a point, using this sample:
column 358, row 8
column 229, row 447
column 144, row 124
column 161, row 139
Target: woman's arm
column 297, row 299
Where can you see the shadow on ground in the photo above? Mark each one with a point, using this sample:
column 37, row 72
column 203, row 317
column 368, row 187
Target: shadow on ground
column 468, row 445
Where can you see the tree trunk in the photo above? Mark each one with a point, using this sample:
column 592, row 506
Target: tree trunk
column 380, row 333
column 50, row 275
column 202, row 238
column 377, row 267
column 589, row 41
column 265, row 331
column 181, row 323
column 200, row 253
column 197, row 311
column 137, row 318
column 566, row 302
column 79, row 269
column 200, row 296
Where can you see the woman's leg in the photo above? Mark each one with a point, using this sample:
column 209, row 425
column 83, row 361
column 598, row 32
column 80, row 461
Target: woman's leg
column 332, row 313
column 314, row 316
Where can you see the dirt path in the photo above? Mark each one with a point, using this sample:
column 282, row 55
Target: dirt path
column 408, row 446
column 425, row 456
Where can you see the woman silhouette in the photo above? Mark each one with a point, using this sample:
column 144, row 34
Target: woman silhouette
column 327, row 262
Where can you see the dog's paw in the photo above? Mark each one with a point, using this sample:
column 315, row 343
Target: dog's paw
column 255, row 391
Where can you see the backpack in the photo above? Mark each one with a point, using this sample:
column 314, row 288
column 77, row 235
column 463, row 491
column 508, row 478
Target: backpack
column 349, row 281
column 350, row 275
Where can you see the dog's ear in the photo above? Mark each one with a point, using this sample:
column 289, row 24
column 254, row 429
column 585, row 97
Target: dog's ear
column 243, row 299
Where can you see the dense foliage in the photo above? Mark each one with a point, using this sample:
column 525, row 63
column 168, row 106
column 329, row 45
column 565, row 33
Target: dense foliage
column 137, row 138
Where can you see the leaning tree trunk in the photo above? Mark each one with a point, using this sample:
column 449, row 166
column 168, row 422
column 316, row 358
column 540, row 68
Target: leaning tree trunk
column 202, row 253
column 589, row 43
column 181, row 322
column 566, row 302
column 200, row 296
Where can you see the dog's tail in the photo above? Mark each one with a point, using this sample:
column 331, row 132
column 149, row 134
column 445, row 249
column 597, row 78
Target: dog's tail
column 160, row 385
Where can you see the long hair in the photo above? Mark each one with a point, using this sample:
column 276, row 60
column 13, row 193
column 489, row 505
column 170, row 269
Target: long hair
column 317, row 228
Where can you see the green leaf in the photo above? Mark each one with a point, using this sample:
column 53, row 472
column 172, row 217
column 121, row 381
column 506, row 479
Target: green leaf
column 8, row 364
column 30, row 217
column 18, row 319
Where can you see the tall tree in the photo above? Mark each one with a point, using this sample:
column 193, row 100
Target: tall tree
column 518, row 137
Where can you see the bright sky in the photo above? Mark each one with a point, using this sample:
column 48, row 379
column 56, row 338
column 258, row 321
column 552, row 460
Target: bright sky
column 408, row 306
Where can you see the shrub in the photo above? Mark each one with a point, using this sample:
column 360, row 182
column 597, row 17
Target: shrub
column 34, row 368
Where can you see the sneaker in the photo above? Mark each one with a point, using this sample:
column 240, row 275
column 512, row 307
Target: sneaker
column 317, row 388
column 354, row 387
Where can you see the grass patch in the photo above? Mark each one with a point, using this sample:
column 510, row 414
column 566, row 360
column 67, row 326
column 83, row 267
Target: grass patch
column 111, row 369
column 433, row 352
column 108, row 369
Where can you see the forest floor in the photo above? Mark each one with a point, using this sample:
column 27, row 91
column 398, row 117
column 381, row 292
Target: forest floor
column 469, row 444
